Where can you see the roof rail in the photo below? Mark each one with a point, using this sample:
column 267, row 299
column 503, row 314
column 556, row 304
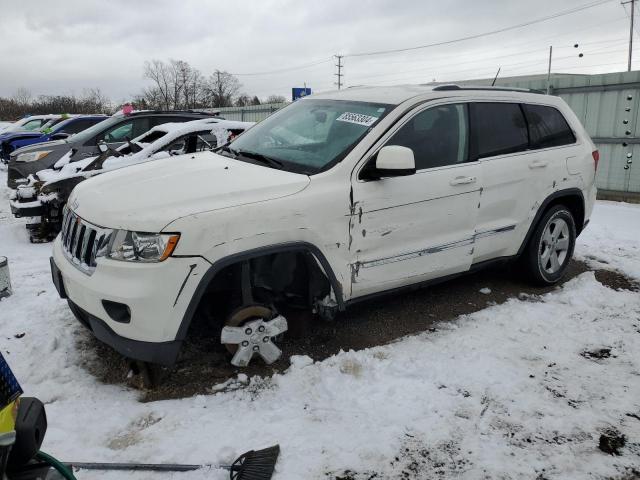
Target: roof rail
column 453, row 86
column 198, row 112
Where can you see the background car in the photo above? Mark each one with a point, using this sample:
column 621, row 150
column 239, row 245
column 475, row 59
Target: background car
column 114, row 132
column 32, row 122
column 47, row 192
column 60, row 131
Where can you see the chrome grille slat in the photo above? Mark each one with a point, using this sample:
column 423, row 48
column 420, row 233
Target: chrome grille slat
column 81, row 241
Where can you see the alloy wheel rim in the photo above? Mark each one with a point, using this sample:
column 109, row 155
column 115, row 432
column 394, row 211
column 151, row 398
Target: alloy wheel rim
column 554, row 246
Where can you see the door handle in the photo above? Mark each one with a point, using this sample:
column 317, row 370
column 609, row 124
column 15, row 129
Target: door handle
column 462, row 181
column 538, row 164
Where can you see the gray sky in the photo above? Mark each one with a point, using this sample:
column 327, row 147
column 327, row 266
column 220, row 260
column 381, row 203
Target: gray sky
column 64, row 46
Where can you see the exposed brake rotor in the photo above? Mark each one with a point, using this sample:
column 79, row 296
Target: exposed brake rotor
column 249, row 331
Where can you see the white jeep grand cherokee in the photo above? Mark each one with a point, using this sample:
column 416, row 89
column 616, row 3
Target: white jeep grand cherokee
column 334, row 199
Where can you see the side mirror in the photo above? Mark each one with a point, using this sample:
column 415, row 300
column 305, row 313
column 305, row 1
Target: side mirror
column 391, row 161
column 59, row 136
column 102, row 146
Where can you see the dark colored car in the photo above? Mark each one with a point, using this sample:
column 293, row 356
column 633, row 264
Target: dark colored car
column 114, row 131
column 60, row 131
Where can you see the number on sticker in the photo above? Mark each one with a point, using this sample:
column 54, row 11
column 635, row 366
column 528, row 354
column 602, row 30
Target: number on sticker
column 357, row 118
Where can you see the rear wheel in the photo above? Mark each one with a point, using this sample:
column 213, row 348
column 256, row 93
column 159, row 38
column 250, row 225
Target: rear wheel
column 551, row 246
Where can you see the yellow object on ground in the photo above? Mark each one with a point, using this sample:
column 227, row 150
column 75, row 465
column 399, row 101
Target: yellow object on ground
column 8, row 417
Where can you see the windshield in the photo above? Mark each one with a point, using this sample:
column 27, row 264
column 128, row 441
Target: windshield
column 99, row 127
column 310, row 135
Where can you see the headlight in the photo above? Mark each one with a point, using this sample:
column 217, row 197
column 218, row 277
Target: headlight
column 32, row 156
column 141, row 247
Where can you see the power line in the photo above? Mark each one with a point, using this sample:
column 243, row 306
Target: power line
column 433, row 69
column 484, row 34
column 282, row 70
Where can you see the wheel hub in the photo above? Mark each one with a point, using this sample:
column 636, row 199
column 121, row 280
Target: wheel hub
column 255, row 337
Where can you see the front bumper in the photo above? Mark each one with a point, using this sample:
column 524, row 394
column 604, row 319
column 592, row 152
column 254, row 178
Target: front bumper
column 156, row 297
column 26, row 209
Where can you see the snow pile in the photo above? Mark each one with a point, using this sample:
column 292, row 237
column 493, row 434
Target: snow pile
column 507, row 392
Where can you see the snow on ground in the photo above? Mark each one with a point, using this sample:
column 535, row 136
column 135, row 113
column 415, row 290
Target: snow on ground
column 502, row 393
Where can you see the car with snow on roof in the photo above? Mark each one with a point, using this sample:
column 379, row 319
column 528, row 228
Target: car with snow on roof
column 47, row 191
column 114, row 131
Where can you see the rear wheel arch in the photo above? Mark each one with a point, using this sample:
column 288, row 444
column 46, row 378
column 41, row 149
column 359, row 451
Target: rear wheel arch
column 572, row 199
column 220, row 265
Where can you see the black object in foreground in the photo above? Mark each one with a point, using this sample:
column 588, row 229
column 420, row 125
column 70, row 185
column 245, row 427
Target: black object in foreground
column 253, row 465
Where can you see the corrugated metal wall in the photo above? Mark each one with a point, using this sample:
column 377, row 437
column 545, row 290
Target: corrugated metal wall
column 251, row 113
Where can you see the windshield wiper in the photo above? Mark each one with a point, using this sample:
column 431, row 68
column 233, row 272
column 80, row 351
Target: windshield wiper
column 272, row 162
column 226, row 149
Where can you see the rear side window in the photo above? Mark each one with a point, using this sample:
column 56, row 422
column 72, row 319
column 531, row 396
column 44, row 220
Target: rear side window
column 497, row 129
column 547, row 127
column 79, row 126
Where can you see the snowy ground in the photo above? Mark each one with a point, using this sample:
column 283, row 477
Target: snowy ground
column 502, row 393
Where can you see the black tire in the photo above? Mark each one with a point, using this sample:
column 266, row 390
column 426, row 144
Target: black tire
column 540, row 268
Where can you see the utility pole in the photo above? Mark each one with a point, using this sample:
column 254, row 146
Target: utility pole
column 339, row 74
column 549, row 71
column 633, row 3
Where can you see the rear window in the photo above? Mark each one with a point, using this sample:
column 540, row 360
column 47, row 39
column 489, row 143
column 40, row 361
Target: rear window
column 547, row 127
column 497, row 129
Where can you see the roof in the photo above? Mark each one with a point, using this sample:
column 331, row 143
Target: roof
column 395, row 95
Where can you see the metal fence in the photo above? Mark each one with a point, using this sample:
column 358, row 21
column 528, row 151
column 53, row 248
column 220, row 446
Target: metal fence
column 251, row 113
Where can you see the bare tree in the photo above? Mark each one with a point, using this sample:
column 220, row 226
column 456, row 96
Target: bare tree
column 243, row 100
column 93, row 99
column 22, row 96
column 275, row 99
column 221, row 89
column 174, row 85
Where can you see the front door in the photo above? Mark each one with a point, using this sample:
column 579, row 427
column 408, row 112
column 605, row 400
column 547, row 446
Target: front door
column 405, row 230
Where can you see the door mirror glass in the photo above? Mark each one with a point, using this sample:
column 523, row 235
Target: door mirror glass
column 102, row 146
column 394, row 161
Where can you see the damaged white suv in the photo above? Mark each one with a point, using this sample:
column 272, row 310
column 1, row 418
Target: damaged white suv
column 334, row 199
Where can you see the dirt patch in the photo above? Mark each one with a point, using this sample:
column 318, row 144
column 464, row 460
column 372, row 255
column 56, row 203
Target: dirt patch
column 611, row 441
column 203, row 365
column 615, row 280
column 597, row 354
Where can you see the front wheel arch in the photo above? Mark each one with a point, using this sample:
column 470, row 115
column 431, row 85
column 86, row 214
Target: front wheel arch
column 221, row 264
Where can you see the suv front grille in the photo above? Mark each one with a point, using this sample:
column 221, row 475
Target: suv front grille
column 81, row 241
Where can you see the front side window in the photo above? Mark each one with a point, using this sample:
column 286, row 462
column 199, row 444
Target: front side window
column 547, row 127
column 309, row 135
column 119, row 133
column 498, row 129
column 438, row 136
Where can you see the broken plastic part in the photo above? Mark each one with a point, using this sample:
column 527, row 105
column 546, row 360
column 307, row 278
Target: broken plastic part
column 255, row 338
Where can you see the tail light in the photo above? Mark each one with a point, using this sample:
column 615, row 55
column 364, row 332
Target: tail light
column 596, row 158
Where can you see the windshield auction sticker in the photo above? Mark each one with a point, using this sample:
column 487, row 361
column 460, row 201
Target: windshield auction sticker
column 357, row 118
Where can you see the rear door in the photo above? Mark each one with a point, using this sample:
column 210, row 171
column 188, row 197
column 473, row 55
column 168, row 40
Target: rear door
column 500, row 142
column 409, row 229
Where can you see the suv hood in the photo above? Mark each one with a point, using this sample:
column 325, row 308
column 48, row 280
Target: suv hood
column 149, row 196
